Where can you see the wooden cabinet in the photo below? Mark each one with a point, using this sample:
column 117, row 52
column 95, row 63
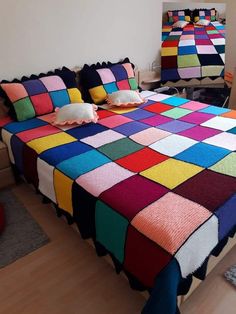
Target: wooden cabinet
column 6, row 174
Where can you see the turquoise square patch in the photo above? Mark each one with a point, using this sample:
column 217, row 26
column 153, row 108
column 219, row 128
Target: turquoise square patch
column 175, row 101
column 111, row 229
column 110, row 87
column 78, row 165
column 60, row 98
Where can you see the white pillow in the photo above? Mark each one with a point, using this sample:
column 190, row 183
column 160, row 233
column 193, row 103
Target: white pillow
column 203, row 22
column 180, row 24
column 77, row 113
column 125, row 98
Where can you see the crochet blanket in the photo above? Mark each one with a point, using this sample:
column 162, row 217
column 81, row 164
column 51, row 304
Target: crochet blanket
column 192, row 52
column 154, row 186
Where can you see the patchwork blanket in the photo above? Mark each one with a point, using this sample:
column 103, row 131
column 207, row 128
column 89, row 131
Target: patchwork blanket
column 192, row 52
column 155, row 186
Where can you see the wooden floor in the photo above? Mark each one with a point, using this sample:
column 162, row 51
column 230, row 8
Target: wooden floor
column 66, row 277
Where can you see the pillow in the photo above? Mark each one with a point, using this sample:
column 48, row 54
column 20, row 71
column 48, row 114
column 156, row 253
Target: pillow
column 39, row 95
column 180, row 24
column 78, row 113
column 203, row 22
column 206, row 14
column 179, row 15
column 102, row 79
column 125, row 98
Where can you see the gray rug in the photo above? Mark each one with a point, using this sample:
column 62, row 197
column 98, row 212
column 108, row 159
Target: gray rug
column 231, row 275
column 22, row 234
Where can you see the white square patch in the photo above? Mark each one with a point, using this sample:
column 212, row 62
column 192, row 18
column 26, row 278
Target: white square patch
column 102, row 138
column 220, row 123
column 45, row 173
column 172, row 145
column 188, row 42
column 197, row 248
column 6, row 138
column 224, row 139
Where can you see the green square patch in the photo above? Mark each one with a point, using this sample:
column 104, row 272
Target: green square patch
column 188, row 61
column 111, row 230
column 120, row 148
column 133, row 84
column 173, row 37
column 176, row 113
column 212, row 32
column 24, row 109
column 226, row 165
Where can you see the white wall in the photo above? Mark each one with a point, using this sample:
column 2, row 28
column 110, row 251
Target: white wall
column 39, row 35
column 230, row 33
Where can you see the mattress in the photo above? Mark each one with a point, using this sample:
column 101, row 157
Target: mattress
column 192, row 52
column 154, row 186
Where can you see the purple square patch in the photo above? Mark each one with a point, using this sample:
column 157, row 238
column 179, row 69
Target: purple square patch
column 34, row 87
column 176, row 126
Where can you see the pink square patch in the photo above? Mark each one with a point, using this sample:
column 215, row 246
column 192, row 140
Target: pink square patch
column 113, row 121
column 41, row 131
column 170, row 220
column 106, row 176
column 106, row 76
column 15, row 91
column 149, row 136
column 123, row 85
column 129, row 69
column 194, row 105
column 53, row 83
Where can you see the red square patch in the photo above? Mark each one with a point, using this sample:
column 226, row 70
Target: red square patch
column 123, row 85
column 42, row 104
column 141, row 160
column 143, row 258
column 158, row 107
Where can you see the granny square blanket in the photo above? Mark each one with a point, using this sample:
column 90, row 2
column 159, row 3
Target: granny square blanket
column 192, row 52
column 151, row 185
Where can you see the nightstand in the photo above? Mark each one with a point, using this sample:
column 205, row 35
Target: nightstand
column 149, row 80
column 6, row 174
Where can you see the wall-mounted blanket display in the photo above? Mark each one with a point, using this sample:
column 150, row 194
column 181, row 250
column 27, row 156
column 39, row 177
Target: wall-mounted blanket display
column 194, row 51
column 154, row 186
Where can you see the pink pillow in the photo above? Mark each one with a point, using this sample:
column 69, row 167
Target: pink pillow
column 77, row 113
column 125, row 98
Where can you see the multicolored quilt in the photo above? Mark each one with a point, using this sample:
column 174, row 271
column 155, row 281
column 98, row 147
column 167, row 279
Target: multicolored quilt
column 153, row 185
column 192, row 52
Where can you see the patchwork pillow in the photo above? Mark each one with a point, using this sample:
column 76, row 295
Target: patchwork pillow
column 125, row 98
column 179, row 15
column 78, row 113
column 206, row 14
column 39, row 95
column 102, row 79
column 180, row 24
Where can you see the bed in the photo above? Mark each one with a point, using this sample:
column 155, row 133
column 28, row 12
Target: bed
column 149, row 185
column 192, row 52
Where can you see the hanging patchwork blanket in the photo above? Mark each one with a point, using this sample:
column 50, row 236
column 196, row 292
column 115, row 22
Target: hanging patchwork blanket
column 192, row 52
column 154, row 186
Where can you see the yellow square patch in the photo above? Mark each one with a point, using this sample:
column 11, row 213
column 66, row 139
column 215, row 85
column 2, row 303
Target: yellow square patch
column 75, row 95
column 63, row 190
column 169, row 51
column 171, row 172
column 122, row 110
column 98, row 94
column 50, row 141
